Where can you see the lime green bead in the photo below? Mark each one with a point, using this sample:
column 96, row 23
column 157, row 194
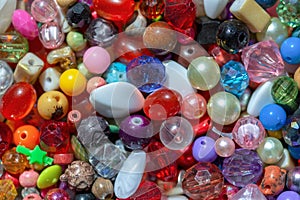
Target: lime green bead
column 49, row 176
column 289, row 12
column 76, row 41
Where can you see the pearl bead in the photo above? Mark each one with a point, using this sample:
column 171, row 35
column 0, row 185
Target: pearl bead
column 224, row 147
column 270, row 150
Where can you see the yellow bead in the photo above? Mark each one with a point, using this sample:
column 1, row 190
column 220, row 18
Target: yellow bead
column 72, row 82
column 276, row 134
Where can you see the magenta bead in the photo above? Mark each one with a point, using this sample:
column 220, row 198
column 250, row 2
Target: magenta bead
column 44, row 10
column 96, row 60
column 24, row 23
column 28, row 178
column 203, row 149
column 224, row 147
column 51, row 35
column 56, row 193
column 248, row 132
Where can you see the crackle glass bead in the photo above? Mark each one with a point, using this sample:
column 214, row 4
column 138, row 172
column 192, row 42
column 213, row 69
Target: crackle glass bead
column 248, row 132
column 146, row 73
column 289, row 12
column 234, row 78
column 242, row 168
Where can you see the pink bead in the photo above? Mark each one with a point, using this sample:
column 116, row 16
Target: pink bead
column 15, row 180
column 193, row 106
column 224, row 147
column 44, row 10
column 94, row 83
column 32, row 197
column 28, row 178
column 96, row 60
column 63, row 159
column 51, row 35
column 25, row 24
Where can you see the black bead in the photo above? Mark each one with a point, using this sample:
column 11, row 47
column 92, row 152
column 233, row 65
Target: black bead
column 207, row 30
column 79, row 15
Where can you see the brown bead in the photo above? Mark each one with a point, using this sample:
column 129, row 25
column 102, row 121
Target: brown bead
column 297, row 77
column 103, row 188
column 65, row 3
column 160, row 37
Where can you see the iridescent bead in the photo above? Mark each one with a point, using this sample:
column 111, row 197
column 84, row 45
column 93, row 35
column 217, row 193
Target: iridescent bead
column 57, row 193
column 50, row 35
column 234, row 78
column 203, row 73
column 116, row 72
column 248, row 132
column 289, row 12
column 232, row 36
column 29, row 190
column 224, row 147
column 293, row 179
column 223, row 108
column 242, row 168
column 146, row 73
column 63, row 57
column 6, row 77
column 270, row 150
column 43, row 10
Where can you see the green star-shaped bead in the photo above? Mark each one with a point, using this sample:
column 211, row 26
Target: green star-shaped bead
column 36, row 155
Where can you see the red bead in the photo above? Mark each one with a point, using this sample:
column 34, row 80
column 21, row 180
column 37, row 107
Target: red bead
column 14, row 179
column 186, row 160
column 202, row 126
column 162, row 104
column 18, row 101
column 147, row 191
column 63, row 158
column 152, row 9
column 5, row 138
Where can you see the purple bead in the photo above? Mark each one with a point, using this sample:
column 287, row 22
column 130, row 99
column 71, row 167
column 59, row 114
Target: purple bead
column 136, row 131
column 289, row 195
column 203, row 149
column 293, row 179
column 242, row 168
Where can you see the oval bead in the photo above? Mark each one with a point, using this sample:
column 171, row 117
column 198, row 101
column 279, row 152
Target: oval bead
column 7, row 8
column 49, row 176
column 25, row 24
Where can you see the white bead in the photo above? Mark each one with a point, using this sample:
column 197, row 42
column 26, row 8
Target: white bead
column 116, row 100
column 213, row 8
column 179, row 197
column 49, row 79
column 7, row 7
column 130, row 175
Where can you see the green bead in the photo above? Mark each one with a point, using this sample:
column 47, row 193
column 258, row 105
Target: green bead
column 76, row 41
column 36, row 155
column 49, row 176
column 79, row 151
column 13, row 47
column 270, row 150
column 289, row 12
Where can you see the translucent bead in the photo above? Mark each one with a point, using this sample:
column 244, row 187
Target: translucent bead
column 193, row 106
column 289, row 12
column 250, row 191
column 6, row 77
column 146, row 73
column 290, row 131
column 270, row 150
column 43, row 10
column 51, row 35
column 7, row 190
column 248, row 132
column 224, row 147
column 152, row 9
column 176, row 133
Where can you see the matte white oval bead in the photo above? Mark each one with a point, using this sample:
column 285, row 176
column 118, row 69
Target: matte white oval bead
column 116, row 100
column 7, row 8
column 178, row 197
column 176, row 78
column 261, row 96
column 130, row 175
column 213, row 8
column 49, row 79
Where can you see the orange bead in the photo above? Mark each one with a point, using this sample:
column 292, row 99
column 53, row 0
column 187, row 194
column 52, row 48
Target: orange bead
column 27, row 135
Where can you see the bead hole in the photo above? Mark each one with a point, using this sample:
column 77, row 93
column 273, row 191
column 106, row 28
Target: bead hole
column 288, row 59
column 74, row 115
column 190, row 51
column 242, row 38
column 202, row 142
column 30, row 61
column 23, row 135
column 48, row 79
column 57, row 98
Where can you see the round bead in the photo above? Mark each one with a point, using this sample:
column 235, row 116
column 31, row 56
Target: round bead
column 290, row 50
column 293, row 179
column 53, row 105
column 193, row 106
column 94, row 83
column 18, row 101
column 288, row 195
column 14, row 162
column 203, row 73
column 232, row 35
column 290, row 131
column 43, row 10
column 223, row 108
column 103, row 188
column 294, row 152
column 72, row 82
column 93, row 63
column 76, row 41
column 203, row 149
column 28, row 178
column 26, row 135
column 270, row 150
column 248, row 132
column 224, row 147
column 176, row 133
column 57, row 193
column 272, row 117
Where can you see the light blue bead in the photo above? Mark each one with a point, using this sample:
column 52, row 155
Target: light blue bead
column 290, row 50
column 272, row 117
column 116, row 72
column 234, row 78
column 266, row 3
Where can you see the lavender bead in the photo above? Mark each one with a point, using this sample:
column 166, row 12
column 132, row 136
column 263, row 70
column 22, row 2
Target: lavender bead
column 288, row 195
column 293, row 179
column 203, row 149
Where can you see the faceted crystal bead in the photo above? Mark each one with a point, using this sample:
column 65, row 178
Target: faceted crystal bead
column 203, row 181
column 13, row 47
column 7, row 190
column 242, row 168
column 79, row 15
column 43, row 10
column 6, row 77
column 291, row 131
column 263, row 61
column 152, row 9
column 250, row 192
column 51, row 35
column 289, row 12
column 234, row 78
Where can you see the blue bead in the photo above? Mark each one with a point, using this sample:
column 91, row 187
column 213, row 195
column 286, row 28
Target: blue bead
column 116, row 72
column 296, row 32
column 290, row 50
column 294, row 151
column 272, row 117
column 234, row 78
column 266, row 3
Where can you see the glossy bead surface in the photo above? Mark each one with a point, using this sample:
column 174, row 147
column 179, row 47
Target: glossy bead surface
column 193, row 106
column 49, row 176
column 203, row 73
column 6, row 75
column 162, row 104
column 232, row 36
column 79, row 15
column 203, row 181
column 224, row 147
column 290, row 131
column 24, row 23
column 290, row 50
column 250, row 191
column 116, row 72
column 152, row 9
column 49, row 79
column 72, row 82
column 26, row 135
column 288, row 195
column 94, row 83
column 146, row 73
column 76, row 41
column 203, row 149
column 103, row 188
column 248, row 132
column 18, row 101
column 270, row 150
column 293, row 180
column 64, row 57
column 288, row 12
column 136, row 131
column 242, row 168
column 7, row 9
column 6, row 136
column 43, row 10
column 223, row 108
column 272, row 117
column 28, row 178
column 7, row 190
column 51, row 35
column 176, row 133
column 14, row 162
column 57, row 193
column 93, row 63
